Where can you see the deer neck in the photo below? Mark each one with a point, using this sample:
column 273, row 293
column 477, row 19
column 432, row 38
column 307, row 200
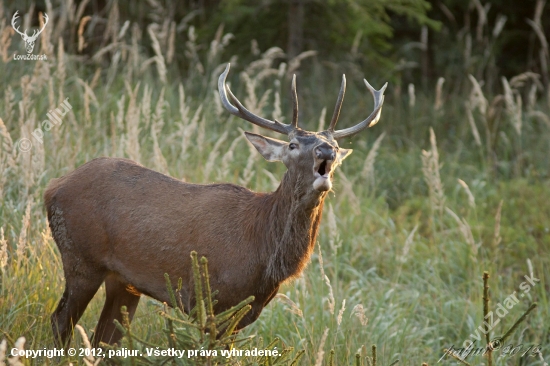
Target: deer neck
column 294, row 213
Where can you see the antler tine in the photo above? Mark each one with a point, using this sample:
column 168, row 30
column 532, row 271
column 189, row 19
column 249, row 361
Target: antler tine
column 338, row 106
column 240, row 111
column 13, row 19
column 36, row 33
column 371, row 120
column 294, row 102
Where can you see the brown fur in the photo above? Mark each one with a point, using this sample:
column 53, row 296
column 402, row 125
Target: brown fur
column 118, row 221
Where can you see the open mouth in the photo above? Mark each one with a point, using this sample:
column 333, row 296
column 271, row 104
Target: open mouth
column 321, row 172
column 322, row 168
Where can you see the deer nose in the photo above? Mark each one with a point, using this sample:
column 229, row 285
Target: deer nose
column 325, row 152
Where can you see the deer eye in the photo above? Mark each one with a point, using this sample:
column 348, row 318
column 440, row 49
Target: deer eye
column 292, row 146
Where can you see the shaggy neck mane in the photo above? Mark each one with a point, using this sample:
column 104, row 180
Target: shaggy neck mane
column 293, row 214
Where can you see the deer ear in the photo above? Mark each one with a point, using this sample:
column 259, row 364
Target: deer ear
column 271, row 149
column 344, row 153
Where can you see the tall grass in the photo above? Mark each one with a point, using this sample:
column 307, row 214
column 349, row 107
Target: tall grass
column 400, row 257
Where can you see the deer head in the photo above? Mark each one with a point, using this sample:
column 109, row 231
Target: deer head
column 312, row 156
column 29, row 40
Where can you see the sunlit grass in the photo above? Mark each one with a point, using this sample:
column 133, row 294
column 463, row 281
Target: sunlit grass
column 390, row 250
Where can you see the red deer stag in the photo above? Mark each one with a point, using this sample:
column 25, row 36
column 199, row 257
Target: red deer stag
column 119, row 222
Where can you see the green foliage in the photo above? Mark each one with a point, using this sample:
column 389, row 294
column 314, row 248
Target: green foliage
column 210, row 337
column 409, row 275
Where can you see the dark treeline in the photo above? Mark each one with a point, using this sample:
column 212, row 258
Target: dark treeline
column 406, row 41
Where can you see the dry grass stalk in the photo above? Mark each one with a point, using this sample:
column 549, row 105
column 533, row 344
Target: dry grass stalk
column 38, row 162
column 513, row 106
column 132, row 124
column 412, row 95
column 81, row 41
column 499, row 25
column 294, row 64
column 540, row 116
column 146, row 102
column 187, row 129
column 477, row 99
column 158, row 116
column 3, row 252
column 183, row 107
column 497, row 238
column 532, row 97
column 191, row 51
column 112, row 24
column 359, row 312
column 158, row 159
column 227, row 158
column 5, row 42
column 333, row 235
column 466, row 232
column 214, row 153
column 430, row 169
column 341, row 313
column 25, row 224
column 438, row 94
column 89, row 360
column 277, row 112
column 520, row 80
column 471, row 199
column 171, row 43
column 15, row 360
column 331, row 301
column 248, row 171
column 265, row 61
column 61, row 72
column 472, row 122
column 321, row 352
column 408, row 243
column 7, row 152
column 46, row 45
column 539, row 31
column 159, row 58
column 347, row 191
column 368, row 167
column 201, row 134
column 481, row 20
column 3, row 348
column 9, row 102
column 291, row 305
column 321, row 126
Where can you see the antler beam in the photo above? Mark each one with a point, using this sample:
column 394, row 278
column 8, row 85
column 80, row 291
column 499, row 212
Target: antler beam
column 370, row 121
column 338, row 106
column 237, row 109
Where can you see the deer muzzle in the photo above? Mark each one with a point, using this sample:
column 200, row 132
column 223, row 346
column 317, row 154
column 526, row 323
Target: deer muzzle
column 325, row 156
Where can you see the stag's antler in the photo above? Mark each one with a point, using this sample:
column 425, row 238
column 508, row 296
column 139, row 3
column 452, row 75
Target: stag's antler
column 13, row 19
column 25, row 36
column 35, row 35
column 240, row 111
column 370, row 121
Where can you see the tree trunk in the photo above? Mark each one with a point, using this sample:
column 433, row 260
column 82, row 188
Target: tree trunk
column 295, row 28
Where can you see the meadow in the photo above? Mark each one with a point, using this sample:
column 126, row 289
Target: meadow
column 446, row 186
